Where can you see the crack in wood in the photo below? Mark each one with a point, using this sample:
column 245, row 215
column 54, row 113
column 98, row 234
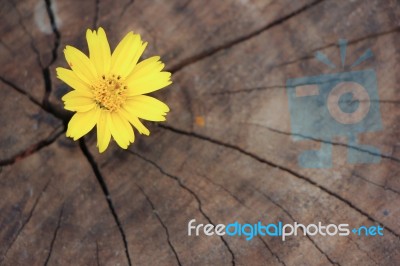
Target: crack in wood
column 397, row 160
column 363, row 251
column 374, row 183
column 48, row 108
column 281, row 167
column 27, row 219
column 34, row 148
column 21, row 91
column 161, row 222
column 294, row 220
column 126, row 6
column 261, row 88
column 350, row 42
column 243, row 204
column 104, row 188
column 96, row 13
column 53, row 240
column 276, row 204
column 224, row 189
column 209, row 52
column 56, row 32
column 97, row 254
column 46, row 70
column 270, row 250
column 45, row 104
column 190, row 191
column 8, row 48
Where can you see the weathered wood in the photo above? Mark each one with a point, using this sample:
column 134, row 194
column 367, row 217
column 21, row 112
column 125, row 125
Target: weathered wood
column 24, row 125
column 225, row 153
column 54, row 211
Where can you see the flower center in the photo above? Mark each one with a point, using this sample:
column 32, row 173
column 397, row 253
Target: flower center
column 109, row 92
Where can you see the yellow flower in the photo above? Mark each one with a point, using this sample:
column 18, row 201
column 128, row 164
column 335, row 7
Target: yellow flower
column 108, row 89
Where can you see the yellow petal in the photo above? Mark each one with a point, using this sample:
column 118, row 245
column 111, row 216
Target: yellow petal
column 123, row 56
column 105, row 49
column 146, row 108
column 138, row 54
column 80, row 64
column 121, row 130
column 125, row 127
column 151, row 102
column 77, row 94
column 81, row 123
column 135, row 122
column 147, row 66
column 103, row 132
column 72, row 80
column 79, row 108
column 99, row 50
column 148, row 83
column 78, row 101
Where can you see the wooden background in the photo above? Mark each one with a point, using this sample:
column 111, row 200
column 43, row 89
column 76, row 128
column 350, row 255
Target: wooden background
column 225, row 153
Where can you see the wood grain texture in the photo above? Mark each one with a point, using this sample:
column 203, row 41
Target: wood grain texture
column 226, row 152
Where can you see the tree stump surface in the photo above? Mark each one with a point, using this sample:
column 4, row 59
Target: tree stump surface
column 225, row 153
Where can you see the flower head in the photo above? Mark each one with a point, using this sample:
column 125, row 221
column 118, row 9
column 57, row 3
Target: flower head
column 108, row 89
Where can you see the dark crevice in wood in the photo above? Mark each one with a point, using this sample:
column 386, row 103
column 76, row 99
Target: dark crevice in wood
column 263, row 88
column 281, row 167
column 375, row 184
column 294, row 220
column 328, row 142
column 161, row 222
column 224, row 189
column 46, row 70
column 350, row 42
column 371, row 36
column 53, row 240
column 233, row 261
column 45, row 104
column 388, row 101
column 276, row 204
column 8, row 48
column 56, row 32
column 104, row 188
column 323, row 252
column 96, row 13
column 190, row 191
column 97, row 254
column 207, row 53
column 64, row 116
column 270, row 251
column 126, row 6
column 247, row 90
column 297, row 60
column 21, row 91
column 34, row 148
column 61, row 114
column 243, row 204
column 364, row 251
column 27, row 220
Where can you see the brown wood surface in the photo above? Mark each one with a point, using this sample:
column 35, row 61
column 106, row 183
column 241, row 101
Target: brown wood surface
column 225, row 153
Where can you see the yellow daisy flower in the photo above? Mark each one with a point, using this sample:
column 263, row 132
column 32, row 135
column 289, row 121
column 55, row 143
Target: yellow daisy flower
column 108, row 89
